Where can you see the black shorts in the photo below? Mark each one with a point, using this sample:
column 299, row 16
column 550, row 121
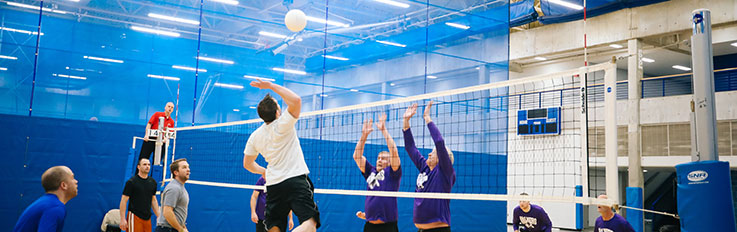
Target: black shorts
column 148, row 148
column 386, row 227
column 261, row 226
column 441, row 229
column 295, row 194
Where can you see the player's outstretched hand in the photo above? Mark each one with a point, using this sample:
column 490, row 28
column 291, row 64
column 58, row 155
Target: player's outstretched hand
column 261, row 84
column 367, row 127
column 426, row 115
column 381, row 124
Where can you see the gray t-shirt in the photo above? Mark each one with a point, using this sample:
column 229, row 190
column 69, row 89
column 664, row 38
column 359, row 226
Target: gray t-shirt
column 177, row 197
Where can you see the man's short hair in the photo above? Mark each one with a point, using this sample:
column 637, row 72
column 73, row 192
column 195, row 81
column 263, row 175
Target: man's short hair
column 524, row 194
column 267, row 109
column 52, row 178
column 139, row 161
column 175, row 165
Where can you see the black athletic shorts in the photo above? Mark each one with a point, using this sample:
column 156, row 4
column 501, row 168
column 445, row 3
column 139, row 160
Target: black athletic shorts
column 294, row 194
column 385, row 227
column 260, row 226
column 441, row 229
column 148, row 148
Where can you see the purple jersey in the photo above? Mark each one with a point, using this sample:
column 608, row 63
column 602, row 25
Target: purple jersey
column 261, row 201
column 536, row 220
column 381, row 208
column 616, row 224
column 438, row 180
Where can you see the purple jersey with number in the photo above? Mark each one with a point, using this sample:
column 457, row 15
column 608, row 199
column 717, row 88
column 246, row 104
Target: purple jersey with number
column 438, row 180
column 535, row 220
column 616, row 224
column 381, row 208
column 261, row 201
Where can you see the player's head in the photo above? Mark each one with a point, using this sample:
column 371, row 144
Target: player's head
column 604, row 209
column 432, row 158
column 524, row 204
column 169, row 108
column 180, row 169
column 61, row 179
column 144, row 166
column 268, row 109
column 383, row 160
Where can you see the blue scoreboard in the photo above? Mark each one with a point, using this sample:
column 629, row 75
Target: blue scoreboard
column 543, row 121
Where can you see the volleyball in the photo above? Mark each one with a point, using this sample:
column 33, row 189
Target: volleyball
column 295, row 20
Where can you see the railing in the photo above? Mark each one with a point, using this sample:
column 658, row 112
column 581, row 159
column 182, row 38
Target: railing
column 662, row 86
column 671, row 85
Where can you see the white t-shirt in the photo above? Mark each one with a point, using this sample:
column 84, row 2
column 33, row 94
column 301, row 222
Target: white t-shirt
column 277, row 142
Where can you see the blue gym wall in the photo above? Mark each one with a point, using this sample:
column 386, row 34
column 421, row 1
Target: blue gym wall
column 97, row 152
column 88, row 124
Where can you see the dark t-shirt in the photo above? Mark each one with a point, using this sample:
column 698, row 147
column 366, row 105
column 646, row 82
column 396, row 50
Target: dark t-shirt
column 140, row 191
column 261, row 202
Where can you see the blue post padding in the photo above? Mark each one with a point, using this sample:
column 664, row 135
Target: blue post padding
column 156, row 173
column 705, row 196
column 130, row 166
column 635, row 217
column 579, row 208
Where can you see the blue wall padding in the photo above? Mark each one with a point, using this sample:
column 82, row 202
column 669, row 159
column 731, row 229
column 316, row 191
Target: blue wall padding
column 95, row 151
column 635, row 199
column 332, row 167
column 705, row 196
column 98, row 152
column 522, row 12
column 555, row 13
column 130, row 163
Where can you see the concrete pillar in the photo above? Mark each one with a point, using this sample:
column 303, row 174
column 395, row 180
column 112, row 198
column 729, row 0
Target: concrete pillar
column 635, row 178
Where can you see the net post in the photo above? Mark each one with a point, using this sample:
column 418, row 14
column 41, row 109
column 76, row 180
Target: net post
column 705, row 121
column 583, row 74
column 610, row 132
column 159, row 142
column 163, row 166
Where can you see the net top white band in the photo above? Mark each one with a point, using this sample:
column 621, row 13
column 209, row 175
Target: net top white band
column 451, row 196
column 570, row 72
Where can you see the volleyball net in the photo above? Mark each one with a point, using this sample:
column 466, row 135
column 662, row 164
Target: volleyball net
column 532, row 135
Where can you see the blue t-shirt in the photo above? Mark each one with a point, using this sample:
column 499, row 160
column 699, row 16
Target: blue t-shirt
column 47, row 213
column 616, row 224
